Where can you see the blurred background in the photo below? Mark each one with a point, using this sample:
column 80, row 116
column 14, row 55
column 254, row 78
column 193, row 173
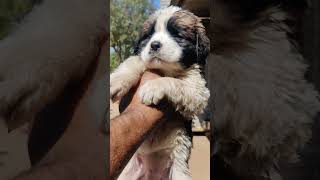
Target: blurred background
column 13, row 146
column 12, row 12
column 127, row 17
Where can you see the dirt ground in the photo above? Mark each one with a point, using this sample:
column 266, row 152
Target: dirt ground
column 200, row 158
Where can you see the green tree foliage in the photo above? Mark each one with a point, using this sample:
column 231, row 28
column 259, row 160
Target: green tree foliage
column 127, row 17
column 12, row 12
column 113, row 61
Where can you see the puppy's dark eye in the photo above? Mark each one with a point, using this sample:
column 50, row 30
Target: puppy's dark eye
column 180, row 32
column 174, row 29
column 144, row 38
column 174, row 32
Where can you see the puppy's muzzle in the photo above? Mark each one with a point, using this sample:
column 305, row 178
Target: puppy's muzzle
column 155, row 46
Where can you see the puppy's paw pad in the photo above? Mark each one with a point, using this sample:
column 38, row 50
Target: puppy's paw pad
column 151, row 93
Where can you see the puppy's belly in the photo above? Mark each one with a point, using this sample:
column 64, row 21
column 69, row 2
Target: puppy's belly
column 154, row 159
column 163, row 137
column 153, row 166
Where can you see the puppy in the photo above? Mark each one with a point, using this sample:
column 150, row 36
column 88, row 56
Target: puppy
column 173, row 41
column 263, row 106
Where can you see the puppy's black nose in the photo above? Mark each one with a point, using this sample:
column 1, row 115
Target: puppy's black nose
column 156, row 45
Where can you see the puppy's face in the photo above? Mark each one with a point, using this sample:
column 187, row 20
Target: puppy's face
column 173, row 37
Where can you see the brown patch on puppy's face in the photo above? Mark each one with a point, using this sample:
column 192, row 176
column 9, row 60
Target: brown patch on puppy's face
column 189, row 32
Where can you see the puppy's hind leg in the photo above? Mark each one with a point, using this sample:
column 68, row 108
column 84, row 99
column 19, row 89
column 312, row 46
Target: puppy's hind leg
column 181, row 154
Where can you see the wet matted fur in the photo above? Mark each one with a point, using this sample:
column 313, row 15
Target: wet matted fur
column 173, row 41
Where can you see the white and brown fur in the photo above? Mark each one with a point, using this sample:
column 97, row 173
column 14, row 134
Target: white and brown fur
column 184, row 48
column 263, row 106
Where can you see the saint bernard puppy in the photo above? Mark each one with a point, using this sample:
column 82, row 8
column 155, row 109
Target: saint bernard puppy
column 174, row 42
column 263, row 106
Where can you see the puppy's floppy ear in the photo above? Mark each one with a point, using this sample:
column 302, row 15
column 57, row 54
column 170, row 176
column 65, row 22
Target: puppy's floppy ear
column 137, row 48
column 145, row 34
column 203, row 44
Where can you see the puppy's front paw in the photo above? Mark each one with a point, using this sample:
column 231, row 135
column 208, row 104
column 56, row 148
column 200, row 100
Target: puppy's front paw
column 117, row 89
column 152, row 92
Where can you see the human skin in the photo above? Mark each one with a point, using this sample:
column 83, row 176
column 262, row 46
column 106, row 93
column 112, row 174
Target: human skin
column 128, row 130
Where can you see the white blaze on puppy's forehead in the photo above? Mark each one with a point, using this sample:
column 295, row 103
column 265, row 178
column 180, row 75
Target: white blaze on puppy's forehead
column 163, row 15
column 170, row 50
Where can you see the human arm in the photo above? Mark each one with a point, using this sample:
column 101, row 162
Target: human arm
column 128, row 130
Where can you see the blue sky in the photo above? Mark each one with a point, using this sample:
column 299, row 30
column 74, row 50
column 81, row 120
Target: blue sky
column 156, row 3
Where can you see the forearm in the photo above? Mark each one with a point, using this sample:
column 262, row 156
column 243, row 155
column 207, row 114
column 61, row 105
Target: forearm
column 127, row 132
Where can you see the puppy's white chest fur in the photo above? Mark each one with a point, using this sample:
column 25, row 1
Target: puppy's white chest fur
column 188, row 95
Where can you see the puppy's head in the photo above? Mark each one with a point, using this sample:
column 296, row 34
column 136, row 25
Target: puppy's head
column 173, row 37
